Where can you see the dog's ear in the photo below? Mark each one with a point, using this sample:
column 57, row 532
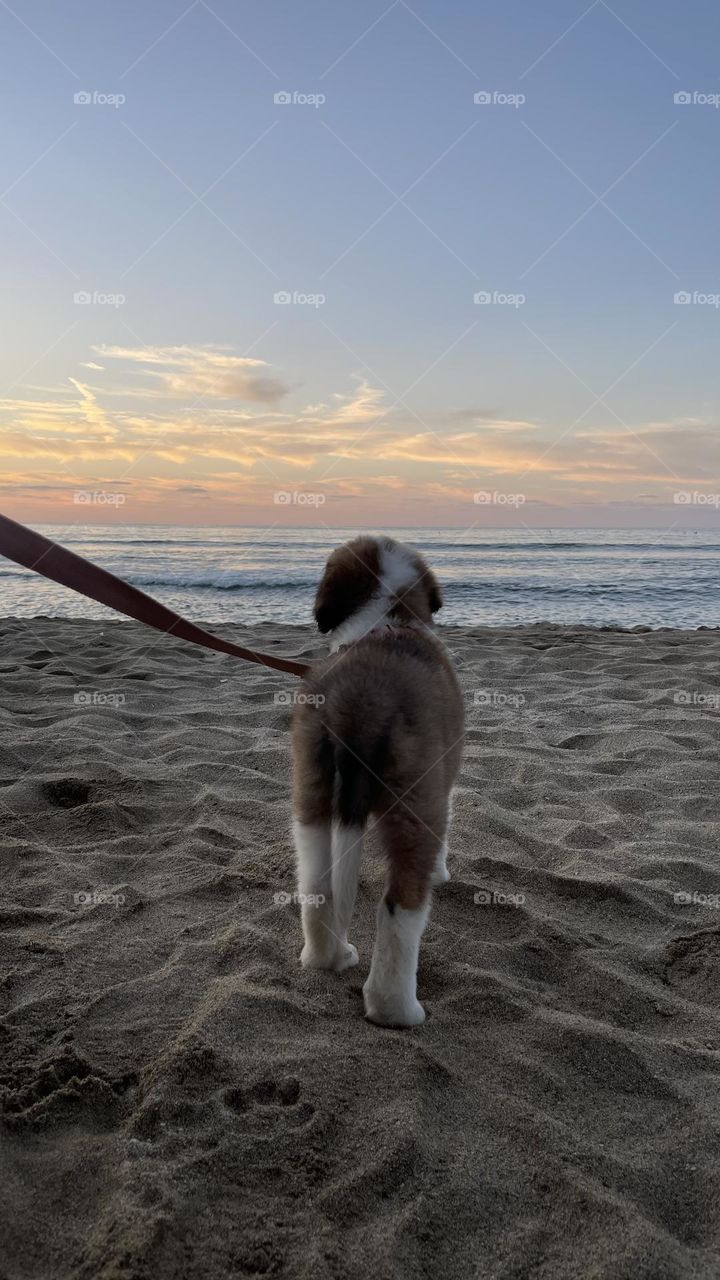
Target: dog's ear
column 432, row 591
column 349, row 580
column 332, row 599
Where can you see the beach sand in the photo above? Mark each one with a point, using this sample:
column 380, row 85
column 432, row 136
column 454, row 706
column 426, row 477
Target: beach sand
column 180, row 1099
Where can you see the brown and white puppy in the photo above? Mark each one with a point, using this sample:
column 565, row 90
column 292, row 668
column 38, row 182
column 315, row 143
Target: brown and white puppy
column 378, row 733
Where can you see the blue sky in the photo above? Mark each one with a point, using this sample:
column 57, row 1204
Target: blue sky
column 397, row 394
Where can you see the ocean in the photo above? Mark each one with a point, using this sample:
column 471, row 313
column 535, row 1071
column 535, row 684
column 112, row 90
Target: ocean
column 498, row 577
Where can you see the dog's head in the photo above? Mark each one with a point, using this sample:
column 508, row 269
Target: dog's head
column 371, row 580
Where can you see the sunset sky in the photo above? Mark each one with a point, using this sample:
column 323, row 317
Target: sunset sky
column 149, row 231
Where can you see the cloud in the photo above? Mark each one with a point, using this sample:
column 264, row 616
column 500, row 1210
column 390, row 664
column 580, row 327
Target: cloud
column 92, row 412
column 355, row 445
column 202, row 372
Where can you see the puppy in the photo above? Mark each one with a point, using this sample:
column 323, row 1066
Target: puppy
column 378, row 734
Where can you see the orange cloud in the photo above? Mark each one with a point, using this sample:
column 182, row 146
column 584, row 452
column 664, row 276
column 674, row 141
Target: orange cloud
column 356, row 446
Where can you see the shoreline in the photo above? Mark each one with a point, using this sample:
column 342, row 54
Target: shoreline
column 309, row 627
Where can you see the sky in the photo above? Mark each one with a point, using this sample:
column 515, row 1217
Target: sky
column 400, row 263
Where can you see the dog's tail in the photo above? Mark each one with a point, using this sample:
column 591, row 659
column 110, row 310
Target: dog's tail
column 359, row 769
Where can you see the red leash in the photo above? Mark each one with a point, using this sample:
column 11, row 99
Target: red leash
column 33, row 551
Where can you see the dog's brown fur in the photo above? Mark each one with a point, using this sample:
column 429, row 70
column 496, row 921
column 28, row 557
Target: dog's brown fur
column 381, row 732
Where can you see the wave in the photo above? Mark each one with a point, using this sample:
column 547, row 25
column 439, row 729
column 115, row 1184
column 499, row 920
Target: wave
column 227, row 581
column 484, row 589
column 538, row 546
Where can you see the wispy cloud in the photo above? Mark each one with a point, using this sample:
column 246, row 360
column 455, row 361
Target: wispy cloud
column 185, row 427
column 205, row 372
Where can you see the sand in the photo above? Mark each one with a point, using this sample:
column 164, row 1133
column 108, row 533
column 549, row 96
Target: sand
column 180, row 1099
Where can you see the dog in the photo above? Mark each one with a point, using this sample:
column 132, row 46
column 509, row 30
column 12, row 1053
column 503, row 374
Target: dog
column 378, row 733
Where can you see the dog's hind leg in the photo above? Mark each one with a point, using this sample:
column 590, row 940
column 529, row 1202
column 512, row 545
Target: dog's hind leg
column 390, row 991
column 312, row 832
column 328, row 851
column 314, row 869
column 347, row 844
column 441, row 874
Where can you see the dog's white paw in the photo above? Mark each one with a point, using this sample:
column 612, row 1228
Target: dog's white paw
column 440, row 875
column 347, row 957
column 317, row 957
column 336, row 958
column 392, row 1011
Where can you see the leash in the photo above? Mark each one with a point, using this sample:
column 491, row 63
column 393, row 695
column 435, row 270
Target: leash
column 39, row 554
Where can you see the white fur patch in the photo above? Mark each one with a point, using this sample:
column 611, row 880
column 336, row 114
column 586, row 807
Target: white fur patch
column 325, row 933
column 312, row 848
column 397, row 570
column 390, row 991
column 347, row 846
column 441, row 874
column 397, row 573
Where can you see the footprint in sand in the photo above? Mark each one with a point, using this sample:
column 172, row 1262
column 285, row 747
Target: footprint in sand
column 66, row 793
column 271, row 1102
